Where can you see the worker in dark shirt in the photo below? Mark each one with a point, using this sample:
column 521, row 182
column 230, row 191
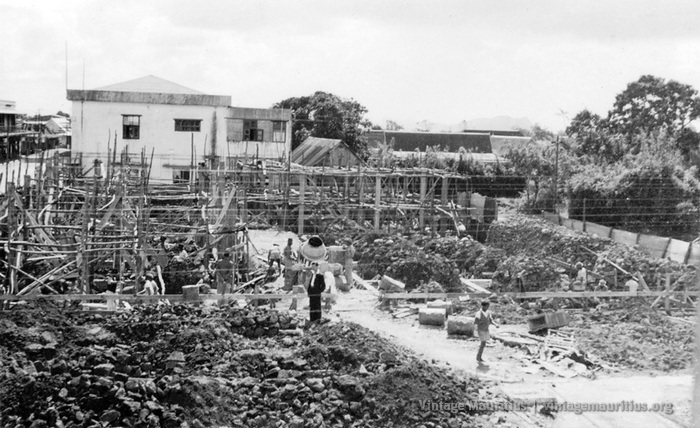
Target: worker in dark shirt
column 224, row 274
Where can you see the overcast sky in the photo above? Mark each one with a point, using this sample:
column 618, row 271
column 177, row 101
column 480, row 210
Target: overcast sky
column 441, row 61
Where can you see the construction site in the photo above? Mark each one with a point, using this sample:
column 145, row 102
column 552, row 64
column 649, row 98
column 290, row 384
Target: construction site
column 410, row 257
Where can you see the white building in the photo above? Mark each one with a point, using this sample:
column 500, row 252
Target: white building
column 182, row 126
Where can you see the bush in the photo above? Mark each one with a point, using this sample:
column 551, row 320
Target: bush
column 650, row 196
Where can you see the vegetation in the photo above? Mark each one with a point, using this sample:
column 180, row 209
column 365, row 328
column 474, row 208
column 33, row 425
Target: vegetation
column 635, row 169
column 325, row 115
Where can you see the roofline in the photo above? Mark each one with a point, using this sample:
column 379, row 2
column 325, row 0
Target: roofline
column 403, row 131
column 149, row 98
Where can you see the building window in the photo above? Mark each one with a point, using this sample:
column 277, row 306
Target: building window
column 181, row 176
column 131, row 127
column 188, row 125
column 251, row 131
column 279, row 131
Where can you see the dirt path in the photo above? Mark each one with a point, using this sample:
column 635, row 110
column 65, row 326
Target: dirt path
column 503, row 368
column 505, row 371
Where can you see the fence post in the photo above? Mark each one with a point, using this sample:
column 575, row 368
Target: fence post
column 667, row 303
column 421, row 210
column 302, row 191
column 377, row 202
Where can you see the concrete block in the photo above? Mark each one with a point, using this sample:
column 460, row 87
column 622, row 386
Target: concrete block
column 190, row 292
column 441, row 304
column 432, row 316
column 390, row 284
column 461, row 326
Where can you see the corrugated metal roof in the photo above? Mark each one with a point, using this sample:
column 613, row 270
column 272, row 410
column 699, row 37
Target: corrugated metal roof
column 151, row 84
column 477, row 157
column 313, row 150
column 502, row 144
column 512, row 133
column 410, row 141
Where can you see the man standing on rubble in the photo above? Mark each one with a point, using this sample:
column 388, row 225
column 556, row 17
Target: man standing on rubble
column 582, row 275
column 150, row 288
column 289, row 260
column 349, row 254
column 483, row 320
column 314, row 251
column 224, row 274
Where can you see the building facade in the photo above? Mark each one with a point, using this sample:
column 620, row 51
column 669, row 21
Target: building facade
column 183, row 128
column 13, row 139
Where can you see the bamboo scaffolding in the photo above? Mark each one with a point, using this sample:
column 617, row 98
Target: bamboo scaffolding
column 70, row 216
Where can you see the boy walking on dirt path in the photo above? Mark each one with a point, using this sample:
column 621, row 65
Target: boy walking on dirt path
column 483, row 320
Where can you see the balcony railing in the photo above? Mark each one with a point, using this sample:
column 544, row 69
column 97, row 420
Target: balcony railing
column 11, row 129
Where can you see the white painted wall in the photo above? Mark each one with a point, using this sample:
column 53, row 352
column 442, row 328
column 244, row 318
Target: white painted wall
column 95, row 123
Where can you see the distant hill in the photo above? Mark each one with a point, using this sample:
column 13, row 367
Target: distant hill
column 499, row 123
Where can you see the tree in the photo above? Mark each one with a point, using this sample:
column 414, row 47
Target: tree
column 537, row 133
column 646, row 192
column 688, row 142
column 325, row 115
column 592, row 138
column 535, row 162
column 540, row 134
column 393, row 126
column 584, row 123
column 651, row 103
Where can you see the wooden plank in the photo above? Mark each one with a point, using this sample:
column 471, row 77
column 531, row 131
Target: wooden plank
column 302, row 195
column 153, row 298
column 556, row 370
column 404, row 314
column 377, row 202
column 474, row 287
column 44, row 236
column 365, row 284
column 423, row 192
column 616, row 266
column 533, row 295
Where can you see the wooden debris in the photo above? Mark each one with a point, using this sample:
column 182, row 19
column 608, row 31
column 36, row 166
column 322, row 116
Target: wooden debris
column 473, row 287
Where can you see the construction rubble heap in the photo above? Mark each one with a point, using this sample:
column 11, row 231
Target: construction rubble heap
column 186, row 365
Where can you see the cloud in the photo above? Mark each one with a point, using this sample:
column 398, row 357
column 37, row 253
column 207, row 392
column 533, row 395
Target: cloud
column 445, row 60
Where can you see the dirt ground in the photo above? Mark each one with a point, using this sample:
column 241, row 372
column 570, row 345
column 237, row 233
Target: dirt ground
column 206, row 366
column 202, row 365
column 653, row 379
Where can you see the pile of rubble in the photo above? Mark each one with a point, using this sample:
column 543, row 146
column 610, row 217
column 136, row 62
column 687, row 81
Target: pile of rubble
column 541, row 249
column 179, row 366
column 404, row 258
column 634, row 336
column 536, row 237
column 622, row 334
